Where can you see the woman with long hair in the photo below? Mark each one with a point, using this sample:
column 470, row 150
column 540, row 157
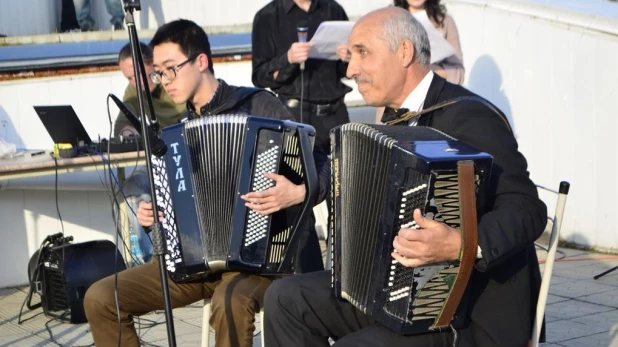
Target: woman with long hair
column 450, row 68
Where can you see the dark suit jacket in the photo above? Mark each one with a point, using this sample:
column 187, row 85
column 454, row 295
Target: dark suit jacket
column 502, row 294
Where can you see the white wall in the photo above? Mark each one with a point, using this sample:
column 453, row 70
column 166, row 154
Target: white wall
column 554, row 73
column 28, row 216
column 86, row 93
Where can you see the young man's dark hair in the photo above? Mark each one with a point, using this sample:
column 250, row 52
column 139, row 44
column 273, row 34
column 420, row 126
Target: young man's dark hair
column 191, row 38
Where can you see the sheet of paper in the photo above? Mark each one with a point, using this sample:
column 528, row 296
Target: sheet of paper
column 331, row 34
column 327, row 37
column 440, row 48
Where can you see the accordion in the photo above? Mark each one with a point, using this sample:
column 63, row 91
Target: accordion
column 380, row 175
column 210, row 163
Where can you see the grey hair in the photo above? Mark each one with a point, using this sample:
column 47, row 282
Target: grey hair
column 402, row 26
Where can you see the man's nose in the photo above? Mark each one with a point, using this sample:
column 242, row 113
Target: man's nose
column 352, row 68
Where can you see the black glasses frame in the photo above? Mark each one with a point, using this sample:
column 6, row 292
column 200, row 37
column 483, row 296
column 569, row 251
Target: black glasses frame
column 157, row 76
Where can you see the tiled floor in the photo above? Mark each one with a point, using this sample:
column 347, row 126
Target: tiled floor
column 580, row 311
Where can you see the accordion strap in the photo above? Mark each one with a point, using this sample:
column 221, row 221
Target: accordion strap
column 469, row 239
column 409, row 115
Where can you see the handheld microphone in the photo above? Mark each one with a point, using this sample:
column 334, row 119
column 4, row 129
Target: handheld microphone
column 302, row 30
column 157, row 145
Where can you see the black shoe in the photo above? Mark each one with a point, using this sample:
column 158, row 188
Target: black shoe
column 117, row 26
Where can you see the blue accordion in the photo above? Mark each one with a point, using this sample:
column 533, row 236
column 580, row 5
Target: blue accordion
column 210, row 163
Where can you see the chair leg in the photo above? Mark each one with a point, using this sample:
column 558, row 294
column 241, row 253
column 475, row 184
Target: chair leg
column 206, row 323
column 549, row 263
column 262, row 326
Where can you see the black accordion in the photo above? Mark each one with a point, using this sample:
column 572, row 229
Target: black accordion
column 380, row 175
column 212, row 161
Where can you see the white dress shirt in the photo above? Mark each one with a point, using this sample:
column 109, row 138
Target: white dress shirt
column 416, row 99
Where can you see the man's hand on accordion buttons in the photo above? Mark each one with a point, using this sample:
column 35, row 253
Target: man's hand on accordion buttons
column 433, row 242
column 144, row 214
column 283, row 195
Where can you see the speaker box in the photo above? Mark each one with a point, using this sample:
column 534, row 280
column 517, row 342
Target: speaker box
column 67, row 271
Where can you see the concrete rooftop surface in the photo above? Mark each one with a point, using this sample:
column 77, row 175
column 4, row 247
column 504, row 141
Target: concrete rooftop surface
column 581, row 311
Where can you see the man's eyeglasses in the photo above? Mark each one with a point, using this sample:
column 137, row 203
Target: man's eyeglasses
column 169, row 73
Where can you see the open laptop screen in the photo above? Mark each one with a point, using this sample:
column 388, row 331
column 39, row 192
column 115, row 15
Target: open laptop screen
column 63, row 125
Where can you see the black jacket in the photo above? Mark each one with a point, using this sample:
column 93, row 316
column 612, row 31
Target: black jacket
column 502, row 294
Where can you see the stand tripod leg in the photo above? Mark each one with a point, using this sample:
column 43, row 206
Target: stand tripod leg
column 605, row 273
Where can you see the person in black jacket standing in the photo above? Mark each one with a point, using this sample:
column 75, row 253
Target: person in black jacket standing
column 183, row 66
column 280, row 63
column 390, row 62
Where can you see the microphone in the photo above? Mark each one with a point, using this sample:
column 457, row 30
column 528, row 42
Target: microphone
column 302, row 30
column 157, row 146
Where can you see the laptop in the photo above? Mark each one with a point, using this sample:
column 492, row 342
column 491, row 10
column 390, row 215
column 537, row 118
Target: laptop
column 63, row 125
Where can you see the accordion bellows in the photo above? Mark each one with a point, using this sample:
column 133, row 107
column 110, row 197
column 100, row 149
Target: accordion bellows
column 380, row 175
column 210, row 163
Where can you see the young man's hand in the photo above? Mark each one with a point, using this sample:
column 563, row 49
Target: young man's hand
column 145, row 217
column 283, row 195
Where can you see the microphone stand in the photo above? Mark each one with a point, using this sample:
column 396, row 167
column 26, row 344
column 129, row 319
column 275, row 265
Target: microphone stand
column 158, row 239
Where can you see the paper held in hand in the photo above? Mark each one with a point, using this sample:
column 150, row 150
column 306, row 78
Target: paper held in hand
column 327, row 37
column 440, row 48
column 331, row 34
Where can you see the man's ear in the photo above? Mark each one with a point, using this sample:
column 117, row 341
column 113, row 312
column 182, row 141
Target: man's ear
column 202, row 62
column 406, row 53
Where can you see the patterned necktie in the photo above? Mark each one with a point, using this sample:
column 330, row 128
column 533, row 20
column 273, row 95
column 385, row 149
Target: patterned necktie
column 392, row 114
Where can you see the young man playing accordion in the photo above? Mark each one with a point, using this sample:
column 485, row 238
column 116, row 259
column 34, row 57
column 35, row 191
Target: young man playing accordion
column 183, row 66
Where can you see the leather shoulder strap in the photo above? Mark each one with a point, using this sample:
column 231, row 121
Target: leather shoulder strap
column 409, row 115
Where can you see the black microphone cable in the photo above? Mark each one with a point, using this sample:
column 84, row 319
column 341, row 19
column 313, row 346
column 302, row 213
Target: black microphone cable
column 302, row 92
column 116, row 222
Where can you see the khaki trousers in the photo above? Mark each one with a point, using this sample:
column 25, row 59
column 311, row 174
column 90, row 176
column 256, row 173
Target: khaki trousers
column 236, row 297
